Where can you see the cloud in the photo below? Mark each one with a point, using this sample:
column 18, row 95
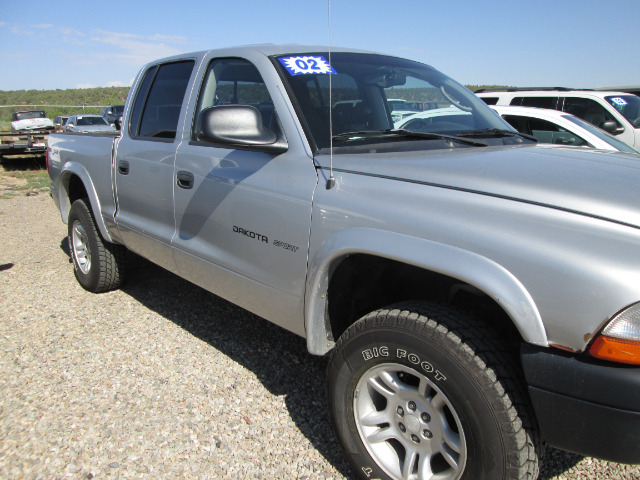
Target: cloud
column 138, row 49
column 118, row 83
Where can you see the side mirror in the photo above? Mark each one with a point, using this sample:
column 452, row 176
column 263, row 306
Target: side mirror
column 117, row 123
column 611, row 127
column 238, row 126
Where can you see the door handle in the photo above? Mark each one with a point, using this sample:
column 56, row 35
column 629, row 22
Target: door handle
column 185, row 179
column 123, row 167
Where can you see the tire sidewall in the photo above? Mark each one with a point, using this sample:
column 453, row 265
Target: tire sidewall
column 430, row 357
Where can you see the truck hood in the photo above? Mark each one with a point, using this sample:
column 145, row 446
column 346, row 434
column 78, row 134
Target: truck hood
column 32, row 124
column 93, row 128
column 595, row 183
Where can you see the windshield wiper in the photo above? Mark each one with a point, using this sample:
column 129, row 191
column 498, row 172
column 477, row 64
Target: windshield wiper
column 360, row 134
column 405, row 134
column 495, row 133
column 430, row 135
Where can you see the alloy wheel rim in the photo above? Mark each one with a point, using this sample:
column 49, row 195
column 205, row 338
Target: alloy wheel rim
column 81, row 251
column 408, row 425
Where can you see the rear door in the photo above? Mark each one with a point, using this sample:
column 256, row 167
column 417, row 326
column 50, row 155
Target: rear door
column 145, row 158
column 243, row 216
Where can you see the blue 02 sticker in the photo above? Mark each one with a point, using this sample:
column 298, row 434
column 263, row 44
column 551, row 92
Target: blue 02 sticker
column 619, row 101
column 307, row 65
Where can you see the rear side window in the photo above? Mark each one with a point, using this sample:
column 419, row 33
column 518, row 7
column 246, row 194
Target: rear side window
column 490, row 100
column 539, row 102
column 156, row 109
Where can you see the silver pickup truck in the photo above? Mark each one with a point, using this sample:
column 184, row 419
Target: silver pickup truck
column 478, row 294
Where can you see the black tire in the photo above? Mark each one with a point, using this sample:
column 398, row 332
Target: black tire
column 98, row 265
column 421, row 390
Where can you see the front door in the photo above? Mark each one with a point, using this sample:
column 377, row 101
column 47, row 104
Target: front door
column 243, row 217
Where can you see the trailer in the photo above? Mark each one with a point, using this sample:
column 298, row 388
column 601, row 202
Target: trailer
column 23, row 143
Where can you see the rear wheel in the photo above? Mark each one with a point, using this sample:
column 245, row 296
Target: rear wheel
column 426, row 392
column 98, row 265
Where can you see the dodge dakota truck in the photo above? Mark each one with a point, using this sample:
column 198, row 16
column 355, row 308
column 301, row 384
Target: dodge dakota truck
column 478, row 295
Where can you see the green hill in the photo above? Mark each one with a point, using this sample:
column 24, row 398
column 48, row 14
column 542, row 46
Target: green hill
column 75, row 98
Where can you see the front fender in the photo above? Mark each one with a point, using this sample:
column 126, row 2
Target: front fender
column 483, row 273
column 68, row 171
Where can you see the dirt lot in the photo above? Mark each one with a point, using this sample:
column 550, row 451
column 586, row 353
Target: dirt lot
column 157, row 380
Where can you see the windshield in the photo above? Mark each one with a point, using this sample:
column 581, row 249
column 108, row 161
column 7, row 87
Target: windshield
column 90, row 121
column 628, row 106
column 118, row 109
column 26, row 115
column 376, row 93
column 601, row 134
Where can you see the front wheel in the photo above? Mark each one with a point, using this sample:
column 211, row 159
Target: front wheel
column 98, row 265
column 420, row 392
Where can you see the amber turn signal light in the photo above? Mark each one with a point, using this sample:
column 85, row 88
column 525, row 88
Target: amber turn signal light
column 616, row 350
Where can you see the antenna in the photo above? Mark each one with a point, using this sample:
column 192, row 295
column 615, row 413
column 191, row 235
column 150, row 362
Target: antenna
column 331, row 181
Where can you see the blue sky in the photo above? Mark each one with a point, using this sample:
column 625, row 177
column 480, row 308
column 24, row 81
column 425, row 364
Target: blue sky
column 577, row 43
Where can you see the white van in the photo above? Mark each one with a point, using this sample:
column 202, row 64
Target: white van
column 615, row 112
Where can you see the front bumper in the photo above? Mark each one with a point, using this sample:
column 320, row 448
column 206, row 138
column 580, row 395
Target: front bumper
column 584, row 405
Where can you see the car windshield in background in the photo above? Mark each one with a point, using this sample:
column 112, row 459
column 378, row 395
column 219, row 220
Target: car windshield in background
column 601, row 134
column 373, row 93
column 628, row 106
column 91, row 121
column 118, row 109
column 27, row 115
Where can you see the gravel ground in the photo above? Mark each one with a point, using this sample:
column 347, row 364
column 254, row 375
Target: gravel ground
column 157, row 380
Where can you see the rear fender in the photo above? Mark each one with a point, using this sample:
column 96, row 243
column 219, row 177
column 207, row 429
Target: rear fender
column 483, row 273
column 69, row 170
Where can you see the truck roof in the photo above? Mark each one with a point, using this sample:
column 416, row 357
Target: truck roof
column 266, row 49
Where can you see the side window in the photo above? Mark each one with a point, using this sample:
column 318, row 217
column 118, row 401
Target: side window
column 547, row 132
column 539, row 102
column 156, row 109
column 141, row 98
column 490, row 100
column 521, row 124
column 588, row 110
column 235, row 81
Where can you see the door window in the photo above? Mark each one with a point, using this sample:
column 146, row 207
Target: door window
column 544, row 131
column 588, row 110
column 156, row 109
column 235, row 81
column 539, row 102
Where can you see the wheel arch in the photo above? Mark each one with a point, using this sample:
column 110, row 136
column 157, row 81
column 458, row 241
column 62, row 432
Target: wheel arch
column 454, row 266
column 75, row 183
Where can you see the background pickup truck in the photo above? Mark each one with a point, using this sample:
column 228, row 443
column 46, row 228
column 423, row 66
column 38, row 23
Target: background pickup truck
column 478, row 294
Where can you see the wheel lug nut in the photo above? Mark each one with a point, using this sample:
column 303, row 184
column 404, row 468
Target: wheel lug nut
column 402, row 427
column 400, row 411
column 415, row 438
column 427, row 434
column 426, row 418
column 412, row 406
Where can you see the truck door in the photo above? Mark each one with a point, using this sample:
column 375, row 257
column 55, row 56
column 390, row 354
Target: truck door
column 243, row 216
column 144, row 169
